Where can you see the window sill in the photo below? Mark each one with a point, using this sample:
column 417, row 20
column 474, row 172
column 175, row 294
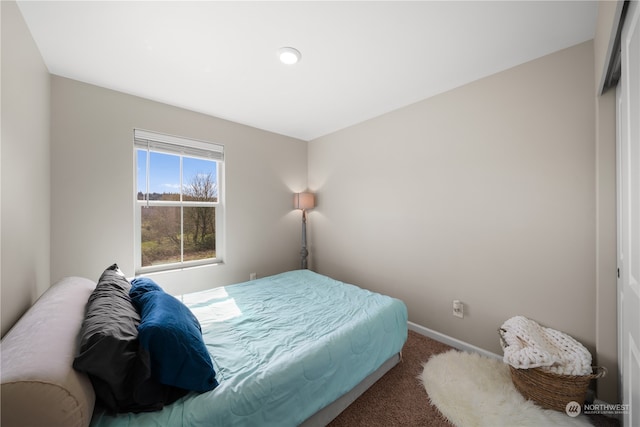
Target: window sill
column 172, row 268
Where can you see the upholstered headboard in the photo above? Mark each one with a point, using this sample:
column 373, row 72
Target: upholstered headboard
column 39, row 385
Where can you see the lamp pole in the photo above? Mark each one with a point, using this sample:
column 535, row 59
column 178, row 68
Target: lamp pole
column 304, row 201
column 304, row 252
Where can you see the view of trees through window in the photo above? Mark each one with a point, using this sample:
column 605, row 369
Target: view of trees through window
column 178, row 214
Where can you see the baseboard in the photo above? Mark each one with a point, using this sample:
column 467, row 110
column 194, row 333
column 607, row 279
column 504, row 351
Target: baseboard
column 453, row 342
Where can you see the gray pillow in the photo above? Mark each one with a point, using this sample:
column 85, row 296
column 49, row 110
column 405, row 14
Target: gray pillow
column 109, row 340
column 110, row 352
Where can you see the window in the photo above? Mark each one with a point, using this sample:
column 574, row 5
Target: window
column 178, row 208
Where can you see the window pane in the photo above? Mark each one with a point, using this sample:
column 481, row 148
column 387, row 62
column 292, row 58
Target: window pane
column 180, row 178
column 164, row 176
column 160, row 235
column 199, row 233
column 200, row 179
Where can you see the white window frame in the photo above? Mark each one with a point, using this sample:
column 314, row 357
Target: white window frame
column 179, row 146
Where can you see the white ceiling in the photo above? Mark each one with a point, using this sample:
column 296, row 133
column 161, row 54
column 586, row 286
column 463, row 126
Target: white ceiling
column 359, row 59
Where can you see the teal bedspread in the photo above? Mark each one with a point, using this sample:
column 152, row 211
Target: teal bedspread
column 283, row 348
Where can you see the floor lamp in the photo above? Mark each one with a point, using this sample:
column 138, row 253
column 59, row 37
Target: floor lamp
column 304, row 201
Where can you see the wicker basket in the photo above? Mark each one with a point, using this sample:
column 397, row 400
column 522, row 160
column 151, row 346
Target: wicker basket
column 551, row 390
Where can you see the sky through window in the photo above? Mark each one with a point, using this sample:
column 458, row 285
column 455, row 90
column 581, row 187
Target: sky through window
column 164, row 172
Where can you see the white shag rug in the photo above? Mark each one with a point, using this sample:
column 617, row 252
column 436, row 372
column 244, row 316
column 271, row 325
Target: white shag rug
column 471, row 390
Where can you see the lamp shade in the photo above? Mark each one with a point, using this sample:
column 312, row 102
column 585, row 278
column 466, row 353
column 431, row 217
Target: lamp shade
column 304, row 201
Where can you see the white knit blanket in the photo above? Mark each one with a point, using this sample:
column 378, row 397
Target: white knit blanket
column 527, row 344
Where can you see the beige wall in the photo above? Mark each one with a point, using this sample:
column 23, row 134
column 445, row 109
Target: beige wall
column 606, row 233
column 24, row 169
column 92, row 181
column 483, row 194
column 606, row 238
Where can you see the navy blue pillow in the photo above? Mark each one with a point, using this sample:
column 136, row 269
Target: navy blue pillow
column 171, row 335
column 141, row 285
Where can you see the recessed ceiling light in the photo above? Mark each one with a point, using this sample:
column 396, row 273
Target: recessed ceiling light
column 288, row 55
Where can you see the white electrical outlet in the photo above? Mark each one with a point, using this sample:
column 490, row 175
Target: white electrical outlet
column 458, row 308
column 252, row 276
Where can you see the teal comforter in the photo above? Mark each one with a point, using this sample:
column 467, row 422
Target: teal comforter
column 283, row 348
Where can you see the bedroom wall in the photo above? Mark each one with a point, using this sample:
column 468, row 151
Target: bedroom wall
column 483, row 194
column 92, row 183
column 606, row 246
column 606, row 231
column 25, row 192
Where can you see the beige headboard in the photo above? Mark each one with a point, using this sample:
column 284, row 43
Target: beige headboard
column 39, row 385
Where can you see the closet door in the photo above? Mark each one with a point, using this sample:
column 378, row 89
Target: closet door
column 628, row 159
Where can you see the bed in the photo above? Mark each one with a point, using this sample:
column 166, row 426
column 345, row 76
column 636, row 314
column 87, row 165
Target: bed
column 288, row 350
column 284, row 347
